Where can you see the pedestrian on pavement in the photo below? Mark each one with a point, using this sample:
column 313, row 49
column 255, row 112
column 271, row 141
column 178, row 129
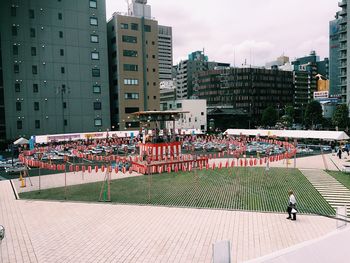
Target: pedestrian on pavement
column 292, row 206
column 339, row 153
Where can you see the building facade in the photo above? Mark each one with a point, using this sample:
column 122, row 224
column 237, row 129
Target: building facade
column 249, row 90
column 343, row 51
column 186, row 72
column 334, row 62
column 54, row 63
column 165, row 52
column 196, row 118
column 167, row 94
column 133, row 65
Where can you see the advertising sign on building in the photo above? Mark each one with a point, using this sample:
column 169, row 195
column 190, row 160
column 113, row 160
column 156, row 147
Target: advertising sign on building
column 319, row 95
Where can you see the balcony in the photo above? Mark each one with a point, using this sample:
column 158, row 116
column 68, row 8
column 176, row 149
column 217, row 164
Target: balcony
column 342, row 21
column 343, row 12
column 343, row 29
column 343, row 46
column 342, row 3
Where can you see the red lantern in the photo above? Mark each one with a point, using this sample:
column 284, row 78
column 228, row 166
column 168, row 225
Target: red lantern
column 89, row 169
column 96, row 168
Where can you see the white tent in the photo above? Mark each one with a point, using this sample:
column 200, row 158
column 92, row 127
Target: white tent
column 21, row 141
column 295, row 134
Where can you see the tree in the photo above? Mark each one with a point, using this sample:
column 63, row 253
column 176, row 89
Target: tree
column 313, row 114
column 288, row 118
column 269, row 116
column 341, row 116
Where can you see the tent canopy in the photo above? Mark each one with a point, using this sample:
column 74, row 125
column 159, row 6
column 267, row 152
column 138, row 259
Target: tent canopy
column 21, row 141
column 295, row 134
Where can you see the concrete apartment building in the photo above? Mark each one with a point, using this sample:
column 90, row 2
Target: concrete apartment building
column 165, row 52
column 54, row 67
column 133, row 64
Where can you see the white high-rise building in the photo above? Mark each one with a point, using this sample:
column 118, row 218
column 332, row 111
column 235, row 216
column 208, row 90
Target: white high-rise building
column 343, row 52
column 165, row 52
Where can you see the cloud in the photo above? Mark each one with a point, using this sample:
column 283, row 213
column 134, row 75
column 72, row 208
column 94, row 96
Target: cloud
column 254, row 52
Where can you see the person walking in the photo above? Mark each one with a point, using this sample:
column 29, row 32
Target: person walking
column 339, row 152
column 292, row 206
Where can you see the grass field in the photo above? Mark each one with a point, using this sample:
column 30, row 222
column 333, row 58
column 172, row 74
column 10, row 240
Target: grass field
column 343, row 178
column 238, row 188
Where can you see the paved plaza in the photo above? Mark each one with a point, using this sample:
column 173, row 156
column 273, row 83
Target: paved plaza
column 47, row 231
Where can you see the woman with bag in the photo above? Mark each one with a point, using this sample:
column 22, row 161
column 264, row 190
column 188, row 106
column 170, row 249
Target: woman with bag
column 292, row 206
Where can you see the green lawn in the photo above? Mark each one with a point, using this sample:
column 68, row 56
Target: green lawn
column 343, row 178
column 238, row 188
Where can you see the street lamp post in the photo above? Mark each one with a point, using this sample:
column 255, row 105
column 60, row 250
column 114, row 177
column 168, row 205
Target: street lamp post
column 39, row 157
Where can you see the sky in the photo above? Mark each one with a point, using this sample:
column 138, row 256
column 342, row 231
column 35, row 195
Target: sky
column 235, row 31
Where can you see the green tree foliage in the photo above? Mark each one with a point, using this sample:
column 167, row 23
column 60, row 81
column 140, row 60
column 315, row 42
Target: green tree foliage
column 341, row 116
column 313, row 114
column 269, row 116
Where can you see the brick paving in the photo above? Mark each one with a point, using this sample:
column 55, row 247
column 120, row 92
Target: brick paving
column 40, row 231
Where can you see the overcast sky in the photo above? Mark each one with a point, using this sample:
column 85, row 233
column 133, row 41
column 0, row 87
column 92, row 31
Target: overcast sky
column 235, row 30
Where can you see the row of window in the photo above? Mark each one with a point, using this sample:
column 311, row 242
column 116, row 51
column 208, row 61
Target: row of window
column 97, row 105
column 95, row 71
column 97, row 122
column 134, row 26
column 31, row 13
column 131, row 96
column 131, row 82
column 95, row 88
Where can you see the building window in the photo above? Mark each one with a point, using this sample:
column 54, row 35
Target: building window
column 112, row 29
column 154, row 97
column 19, row 125
column 62, row 70
column 124, row 26
column 97, row 105
column 93, row 4
column 37, row 124
column 129, row 53
column 132, row 109
column 36, row 106
column 134, row 26
column 13, row 11
column 131, row 96
column 64, row 105
column 130, row 67
column 18, row 106
column 16, row 68
column 179, row 105
column 93, row 21
column 94, row 38
column 153, row 56
column 129, row 39
column 95, row 56
column 202, row 127
column 32, row 32
column 96, row 89
column 31, row 13
column 98, row 122
column 154, row 70
column 153, row 43
column 17, row 87
column 147, row 28
column 131, row 81
column 95, row 72
column 202, row 113
column 59, row 16
column 33, row 51
column 15, row 49
column 35, row 88
column 60, row 34
column 65, row 122
column 14, row 30
column 34, row 69
column 154, row 84
column 61, row 52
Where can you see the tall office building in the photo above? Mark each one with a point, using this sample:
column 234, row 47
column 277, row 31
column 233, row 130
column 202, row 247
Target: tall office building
column 187, row 70
column 133, row 64
column 165, row 52
column 54, row 67
column 343, row 52
column 334, row 64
